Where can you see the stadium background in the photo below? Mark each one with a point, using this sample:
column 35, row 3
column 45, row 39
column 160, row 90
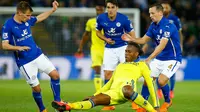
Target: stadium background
column 59, row 37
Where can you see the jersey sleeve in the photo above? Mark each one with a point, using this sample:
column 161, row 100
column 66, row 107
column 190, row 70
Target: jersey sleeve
column 178, row 24
column 98, row 23
column 150, row 84
column 6, row 32
column 149, row 31
column 107, row 86
column 87, row 27
column 167, row 32
column 32, row 21
column 128, row 26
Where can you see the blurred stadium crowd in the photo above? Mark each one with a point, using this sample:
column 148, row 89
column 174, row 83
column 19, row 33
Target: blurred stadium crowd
column 66, row 32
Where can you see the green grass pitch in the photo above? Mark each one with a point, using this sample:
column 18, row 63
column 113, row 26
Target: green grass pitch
column 15, row 96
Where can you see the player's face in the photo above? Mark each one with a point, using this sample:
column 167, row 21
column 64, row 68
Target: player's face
column 112, row 10
column 25, row 16
column 155, row 15
column 99, row 10
column 131, row 53
column 167, row 9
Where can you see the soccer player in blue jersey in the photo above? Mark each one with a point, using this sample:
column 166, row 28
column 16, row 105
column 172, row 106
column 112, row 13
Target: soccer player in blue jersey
column 17, row 37
column 173, row 19
column 114, row 25
column 167, row 56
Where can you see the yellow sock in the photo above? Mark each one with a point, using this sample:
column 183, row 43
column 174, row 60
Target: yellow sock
column 143, row 103
column 81, row 105
column 97, row 82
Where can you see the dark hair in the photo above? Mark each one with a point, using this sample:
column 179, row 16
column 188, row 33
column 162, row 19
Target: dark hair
column 112, row 1
column 99, row 3
column 24, row 6
column 137, row 46
column 158, row 6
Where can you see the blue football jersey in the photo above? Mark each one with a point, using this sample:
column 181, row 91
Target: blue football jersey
column 174, row 19
column 114, row 29
column 166, row 29
column 20, row 35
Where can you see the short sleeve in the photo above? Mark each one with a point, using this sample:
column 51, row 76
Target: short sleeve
column 87, row 27
column 32, row 20
column 98, row 24
column 128, row 26
column 167, row 31
column 6, row 32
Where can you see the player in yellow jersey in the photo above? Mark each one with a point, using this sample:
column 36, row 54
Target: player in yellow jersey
column 97, row 47
column 120, row 88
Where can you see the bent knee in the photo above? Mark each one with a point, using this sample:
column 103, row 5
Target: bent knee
column 127, row 91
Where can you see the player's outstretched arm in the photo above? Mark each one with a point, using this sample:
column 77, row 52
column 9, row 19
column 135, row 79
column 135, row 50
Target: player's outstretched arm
column 158, row 49
column 143, row 40
column 146, row 74
column 46, row 14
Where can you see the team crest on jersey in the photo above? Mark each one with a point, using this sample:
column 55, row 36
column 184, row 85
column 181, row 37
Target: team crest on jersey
column 26, row 24
column 118, row 24
column 5, row 35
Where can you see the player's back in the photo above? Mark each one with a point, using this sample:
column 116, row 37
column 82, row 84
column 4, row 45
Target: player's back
column 127, row 71
column 97, row 43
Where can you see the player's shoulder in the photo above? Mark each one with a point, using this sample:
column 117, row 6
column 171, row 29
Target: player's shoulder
column 91, row 20
column 8, row 23
column 122, row 16
column 101, row 16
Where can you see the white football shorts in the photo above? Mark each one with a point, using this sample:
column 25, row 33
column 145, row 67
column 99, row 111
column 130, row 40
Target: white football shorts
column 112, row 57
column 30, row 70
column 167, row 68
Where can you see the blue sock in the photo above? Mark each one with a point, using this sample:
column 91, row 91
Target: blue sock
column 38, row 99
column 158, row 85
column 172, row 82
column 55, row 86
column 165, row 90
column 105, row 81
column 145, row 92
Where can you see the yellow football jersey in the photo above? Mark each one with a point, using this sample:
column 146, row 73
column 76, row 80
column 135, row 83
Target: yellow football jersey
column 97, row 43
column 130, row 72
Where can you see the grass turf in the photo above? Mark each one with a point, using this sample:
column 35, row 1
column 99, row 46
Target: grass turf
column 16, row 96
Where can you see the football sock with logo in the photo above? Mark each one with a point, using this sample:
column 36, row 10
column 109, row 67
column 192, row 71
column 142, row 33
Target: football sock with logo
column 172, row 82
column 105, row 81
column 165, row 90
column 97, row 81
column 38, row 99
column 145, row 92
column 55, row 86
column 82, row 105
column 138, row 99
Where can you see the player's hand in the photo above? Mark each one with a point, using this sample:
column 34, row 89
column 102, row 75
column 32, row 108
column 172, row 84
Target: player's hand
column 24, row 48
column 55, row 5
column 110, row 41
column 147, row 61
column 126, row 37
column 87, row 98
